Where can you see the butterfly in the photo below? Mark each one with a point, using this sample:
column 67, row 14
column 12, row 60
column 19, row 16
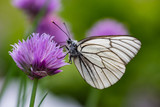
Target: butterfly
column 101, row 60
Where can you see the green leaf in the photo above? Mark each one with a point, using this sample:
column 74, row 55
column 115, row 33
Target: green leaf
column 42, row 99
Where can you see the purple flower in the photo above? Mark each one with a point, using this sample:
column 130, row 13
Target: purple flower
column 107, row 27
column 46, row 26
column 33, row 7
column 38, row 56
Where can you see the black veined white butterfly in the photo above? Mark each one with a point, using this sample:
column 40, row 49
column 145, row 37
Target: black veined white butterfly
column 101, row 60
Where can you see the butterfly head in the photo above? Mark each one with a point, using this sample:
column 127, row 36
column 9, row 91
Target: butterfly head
column 71, row 42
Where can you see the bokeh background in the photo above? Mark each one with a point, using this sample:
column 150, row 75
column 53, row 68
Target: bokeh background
column 139, row 87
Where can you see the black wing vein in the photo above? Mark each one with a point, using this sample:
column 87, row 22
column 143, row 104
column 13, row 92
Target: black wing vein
column 126, row 48
column 81, row 68
column 88, row 71
column 109, row 69
column 98, row 76
column 131, row 44
column 114, row 66
column 122, row 52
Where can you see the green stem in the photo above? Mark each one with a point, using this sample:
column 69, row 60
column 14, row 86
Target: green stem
column 20, row 91
column 24, row 91
column 7, row 79
column 38, row 18
column 42, row 99
column 34, row 89
column 93, row 98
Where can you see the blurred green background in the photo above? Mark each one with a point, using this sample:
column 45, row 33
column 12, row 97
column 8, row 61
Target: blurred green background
column 140, row 84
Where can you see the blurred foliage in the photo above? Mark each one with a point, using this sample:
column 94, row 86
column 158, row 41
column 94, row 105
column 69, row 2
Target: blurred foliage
column 140, row 16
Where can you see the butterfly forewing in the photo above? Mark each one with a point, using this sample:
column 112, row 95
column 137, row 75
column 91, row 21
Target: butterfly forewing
column 102, row 59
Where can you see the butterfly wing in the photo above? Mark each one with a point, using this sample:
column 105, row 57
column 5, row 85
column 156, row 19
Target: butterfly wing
column 103, row 58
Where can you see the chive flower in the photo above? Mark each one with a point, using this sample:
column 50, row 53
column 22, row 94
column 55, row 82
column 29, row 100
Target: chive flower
column 107, row 27
column 38, row 56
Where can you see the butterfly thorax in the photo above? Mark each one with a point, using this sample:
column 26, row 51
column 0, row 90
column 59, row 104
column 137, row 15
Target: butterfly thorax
column 72, row 45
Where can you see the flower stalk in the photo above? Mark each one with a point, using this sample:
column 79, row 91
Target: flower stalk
column 20, row 91
column 34, row 89
column 9, row 75
column 93, row 98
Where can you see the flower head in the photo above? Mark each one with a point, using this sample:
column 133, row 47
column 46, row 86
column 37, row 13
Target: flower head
column 38, row 56
column 46, row 26
column 33, row 7
column 107, row 27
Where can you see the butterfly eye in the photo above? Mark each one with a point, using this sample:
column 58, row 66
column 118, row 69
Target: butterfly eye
column 68, row 42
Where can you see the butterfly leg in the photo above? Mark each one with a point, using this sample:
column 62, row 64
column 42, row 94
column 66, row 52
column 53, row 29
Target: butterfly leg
column 64, row 55
column 70, row 60
column 64, row 46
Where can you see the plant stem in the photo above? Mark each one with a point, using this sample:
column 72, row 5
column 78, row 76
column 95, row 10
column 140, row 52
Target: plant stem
column 93, row 98
column 34, row 89
column 7, row 79
column 38, row 18
column 42, row 99
column 20, row 91
column 24, row 91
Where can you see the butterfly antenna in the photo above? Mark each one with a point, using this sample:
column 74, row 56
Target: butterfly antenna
column 61, row 29
column 67, row 29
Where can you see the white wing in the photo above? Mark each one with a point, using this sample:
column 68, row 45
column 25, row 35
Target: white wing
column 103, row 58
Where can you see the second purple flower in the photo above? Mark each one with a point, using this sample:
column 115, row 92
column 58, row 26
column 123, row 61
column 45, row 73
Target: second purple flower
column 107, row 27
